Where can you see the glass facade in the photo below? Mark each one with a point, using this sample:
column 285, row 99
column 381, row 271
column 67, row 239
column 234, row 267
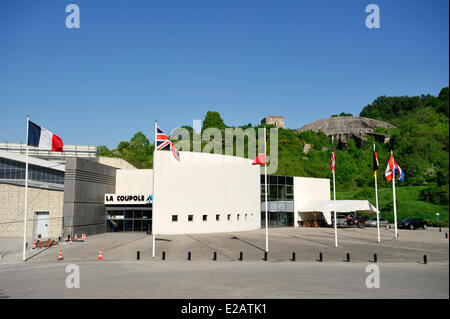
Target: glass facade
column 280, row 197
column 279, row 188
column 14, row 170
column 132, row 219
column 278, row 219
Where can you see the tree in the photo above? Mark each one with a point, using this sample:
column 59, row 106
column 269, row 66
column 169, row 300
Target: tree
column 213, row 119
column 140, row 139
column 103, row 150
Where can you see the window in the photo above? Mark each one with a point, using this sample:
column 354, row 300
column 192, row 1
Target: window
column 174, row 218
column 289, row 194
column 205, row 218
column 190, row 218
column 229, row 216
column 289, row 180
column 273, row 192
column 272, row 179
column 282, row 192
column 217, row 217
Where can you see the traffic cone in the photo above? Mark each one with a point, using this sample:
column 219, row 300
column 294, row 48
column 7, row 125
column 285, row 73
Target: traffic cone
column 83, row 237
column 70, row 240
column 75, row 238
column 60, row 257
column 100, row 256
column 34, row 244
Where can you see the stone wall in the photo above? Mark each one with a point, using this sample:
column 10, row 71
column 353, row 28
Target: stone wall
column 277, row 121
column 12, row 202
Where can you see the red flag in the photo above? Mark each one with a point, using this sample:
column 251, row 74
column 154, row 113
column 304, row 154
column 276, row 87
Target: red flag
column 260, row 159
column 333, row 160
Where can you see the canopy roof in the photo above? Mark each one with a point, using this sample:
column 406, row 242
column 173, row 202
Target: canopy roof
column 342, row 206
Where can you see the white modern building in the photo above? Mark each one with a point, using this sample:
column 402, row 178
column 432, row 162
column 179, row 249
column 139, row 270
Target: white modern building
column 208, row 193
column 203, row 193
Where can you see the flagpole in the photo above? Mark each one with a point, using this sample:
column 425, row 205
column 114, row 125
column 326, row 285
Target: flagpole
column 395, row 204
column 334, row 194
column 265, row 188
column 154, row 197
column 26, row 197
column 376, row 198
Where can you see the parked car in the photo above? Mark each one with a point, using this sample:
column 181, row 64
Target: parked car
column 359, row 220
column 413, row 223
column 341, row 220
column 373, row 222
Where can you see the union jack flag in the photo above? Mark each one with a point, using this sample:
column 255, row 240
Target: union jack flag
column 163, row 143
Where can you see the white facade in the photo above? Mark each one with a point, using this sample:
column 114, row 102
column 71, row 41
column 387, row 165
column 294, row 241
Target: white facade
column 134, row 181
column 223, row 188
column 306, row 190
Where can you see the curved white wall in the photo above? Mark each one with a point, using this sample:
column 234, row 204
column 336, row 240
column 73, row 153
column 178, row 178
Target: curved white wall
column 205, row 184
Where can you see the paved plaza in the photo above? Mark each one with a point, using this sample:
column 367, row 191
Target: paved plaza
column 120, row 275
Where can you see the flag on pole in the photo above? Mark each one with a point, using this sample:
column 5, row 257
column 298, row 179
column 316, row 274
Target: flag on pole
column 163, row 143
column 393, row 168
column 333, row 159
column 43, row 138
column 376, row 164
column 332, row 166
column 260, row 159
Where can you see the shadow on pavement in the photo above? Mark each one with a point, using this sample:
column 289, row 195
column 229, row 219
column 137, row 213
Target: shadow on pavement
column 234, row 237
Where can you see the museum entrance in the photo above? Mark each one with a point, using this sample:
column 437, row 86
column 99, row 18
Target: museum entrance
column 129, row 219
column 278, row 219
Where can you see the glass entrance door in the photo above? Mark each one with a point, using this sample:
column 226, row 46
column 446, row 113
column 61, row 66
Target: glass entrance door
column 278, row 219
column 128, row 220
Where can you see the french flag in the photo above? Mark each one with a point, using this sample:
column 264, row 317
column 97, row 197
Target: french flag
column 43, row 138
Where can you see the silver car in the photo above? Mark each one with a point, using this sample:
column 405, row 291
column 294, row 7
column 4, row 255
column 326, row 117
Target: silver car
column 373, row 222
column 341, row 220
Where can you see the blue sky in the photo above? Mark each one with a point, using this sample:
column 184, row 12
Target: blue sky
column 132, row 62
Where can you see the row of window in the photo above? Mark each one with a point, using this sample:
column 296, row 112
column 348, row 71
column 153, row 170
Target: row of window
column 10, row 169
column 279, row 188
column 277, row 192
column 190, row 218
column 277, row 180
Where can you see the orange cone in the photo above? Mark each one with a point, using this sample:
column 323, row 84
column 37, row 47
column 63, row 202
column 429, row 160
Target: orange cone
column 83, row 237
column 75, row 238
column 60, row 257
column 100, row 256
column 70, row 240
column 34, row 244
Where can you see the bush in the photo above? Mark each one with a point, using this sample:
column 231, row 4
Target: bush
column 435, row 194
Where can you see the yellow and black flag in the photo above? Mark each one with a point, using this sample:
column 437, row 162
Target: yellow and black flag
column 375, row 163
